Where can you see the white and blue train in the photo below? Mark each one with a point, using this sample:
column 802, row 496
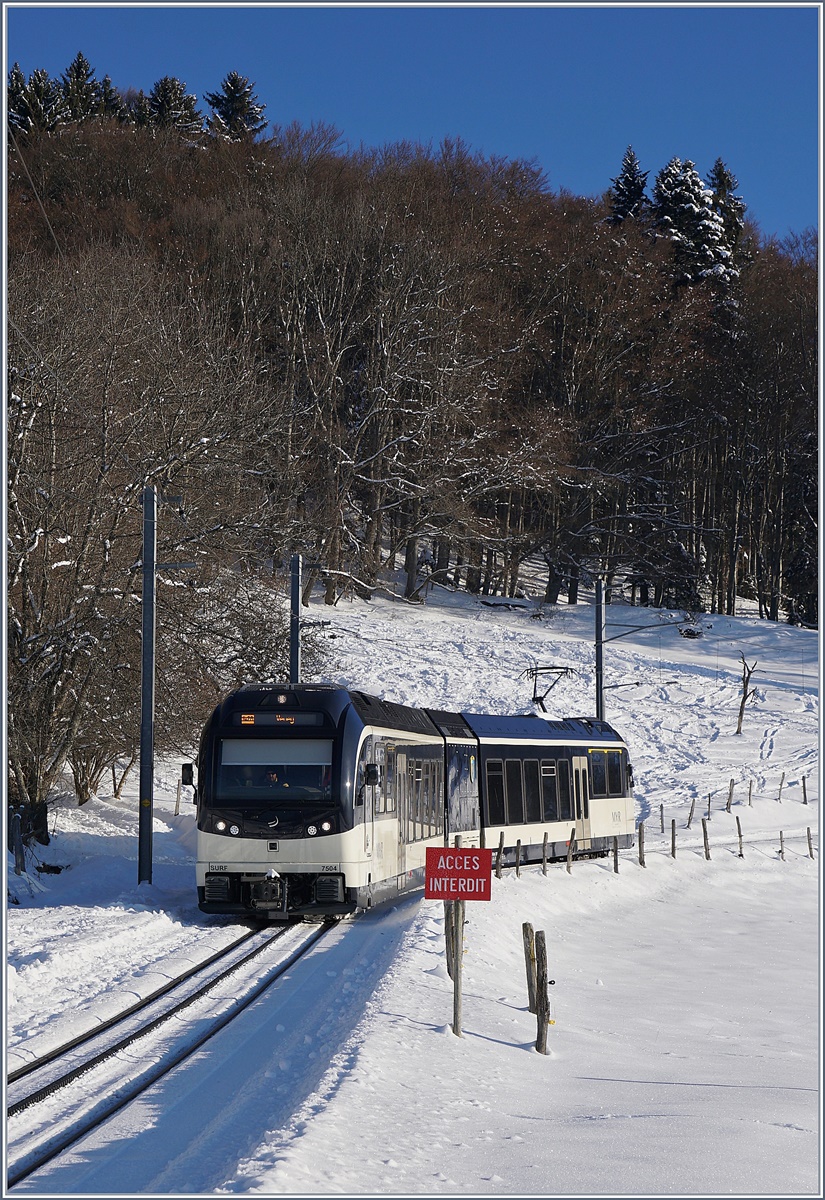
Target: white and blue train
column 315, row 800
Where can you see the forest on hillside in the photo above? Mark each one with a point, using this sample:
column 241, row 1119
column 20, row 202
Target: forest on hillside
column 376, row 357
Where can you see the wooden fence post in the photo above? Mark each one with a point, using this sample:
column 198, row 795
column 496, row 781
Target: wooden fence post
column 673, row 838
column 616, row 856
column 518, row 857
column 542, row 998
column 709, row 799
column 730, row 795
column 641, row 843
column 544, row 854
column 571, row 843
column 662, row 816
column 804, row 790
column 750, row 794
column 781, row 783
column 810, row 844
column 739, row 831
column 705, row 836
column 458, row 939
column 529, row 939
column 781, row 845
column 690, row 815
column 499, row 854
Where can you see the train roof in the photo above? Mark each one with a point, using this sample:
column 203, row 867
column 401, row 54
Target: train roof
column 532, row 728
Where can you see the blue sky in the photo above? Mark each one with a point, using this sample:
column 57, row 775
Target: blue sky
column 571, row 87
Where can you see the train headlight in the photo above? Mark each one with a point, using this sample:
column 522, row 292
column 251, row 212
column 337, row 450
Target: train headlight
column 312, row 830
column 220, row 826
column 326, row 826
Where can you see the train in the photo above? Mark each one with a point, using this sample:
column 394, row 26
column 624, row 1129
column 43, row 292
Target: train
column 315, row 801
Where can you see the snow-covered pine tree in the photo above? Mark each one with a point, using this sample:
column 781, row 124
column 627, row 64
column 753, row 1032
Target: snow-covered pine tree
column 627, row 196
column 15, row 112
column 109, row 100
column 729, row 206
column 136, row 110
column 81, row 90
column 683, row 209
column 41, row 106
column 172, row 108
column 236, row 112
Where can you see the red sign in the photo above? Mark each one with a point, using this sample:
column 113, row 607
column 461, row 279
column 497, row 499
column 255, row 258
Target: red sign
column 458, row 874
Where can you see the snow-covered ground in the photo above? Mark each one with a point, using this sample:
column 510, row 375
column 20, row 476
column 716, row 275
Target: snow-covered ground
column 685, row 1057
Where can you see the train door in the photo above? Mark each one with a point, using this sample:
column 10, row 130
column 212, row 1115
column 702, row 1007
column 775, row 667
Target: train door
column 401, row 802
column 386, row 814
column 368, row 774
column 581, row 801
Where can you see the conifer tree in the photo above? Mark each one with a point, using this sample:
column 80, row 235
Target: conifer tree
column 729, row 206
column 15, row 91
column 628, row 192
column 235, row 108
column 109, row 100
column 172, row 108
column 683, row 210
column 39, row 104
column 81, row 90
column 136, row 109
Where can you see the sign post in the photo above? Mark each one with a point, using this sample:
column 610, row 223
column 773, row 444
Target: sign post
column 455, row 876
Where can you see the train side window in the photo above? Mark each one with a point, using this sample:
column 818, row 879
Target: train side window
column 549, row 792
column 495, row 792
column 598, row 772
column 515, row 791
column 565, row 807
column 532, row 795
column 615, row 783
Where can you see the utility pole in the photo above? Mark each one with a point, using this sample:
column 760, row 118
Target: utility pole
column 295, row 621
column 599, row 649
column 600, row 642
column 147, row 687
column 147, row 680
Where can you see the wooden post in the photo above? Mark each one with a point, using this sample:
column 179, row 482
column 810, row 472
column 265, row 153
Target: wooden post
column 571, row 843
column 781, row 845
column 673, row 838
column 449, row 936
column 750, row 794
column 544, row 854
column 662, row 816
column 499, row 854
column 804, row 790
column 641, row 843
column 810, row 844
column 705, row 836
column 177, row 800
column 709, row 799
column 781, row 782
column 529, row 939
column 542, row 999
column 739, row 831
column 458, row 923
column 690, row 815
column 615, row 856
column 518, row 857
column 730, row 795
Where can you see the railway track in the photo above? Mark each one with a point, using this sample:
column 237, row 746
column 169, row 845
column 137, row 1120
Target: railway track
column 55, row 1100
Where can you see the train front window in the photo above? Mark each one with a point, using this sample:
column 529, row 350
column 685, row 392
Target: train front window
column 255, row 771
